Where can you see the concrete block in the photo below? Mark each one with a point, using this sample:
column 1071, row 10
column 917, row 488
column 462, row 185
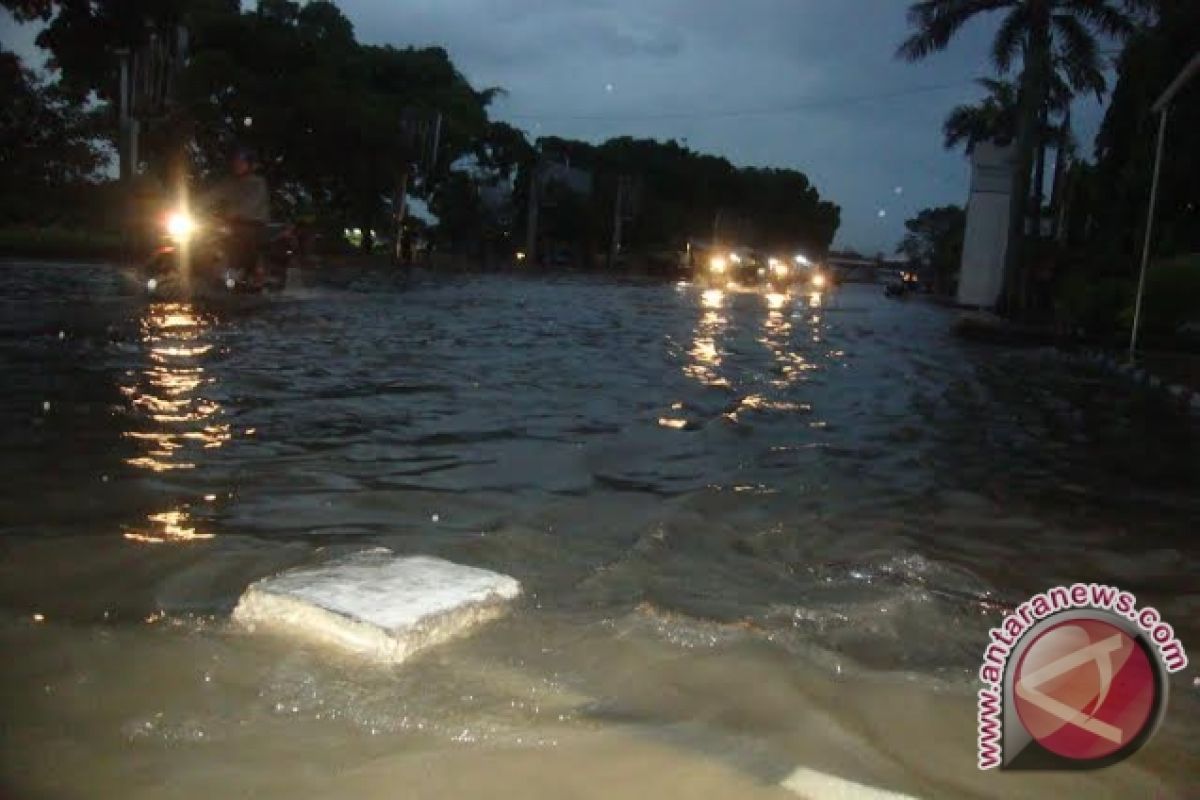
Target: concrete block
column 377, row 605
column 815, row 785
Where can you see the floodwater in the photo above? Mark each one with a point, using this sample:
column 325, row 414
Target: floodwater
column 757, row 533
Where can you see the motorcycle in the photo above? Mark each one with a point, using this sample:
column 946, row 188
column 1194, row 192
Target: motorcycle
column 194, row 257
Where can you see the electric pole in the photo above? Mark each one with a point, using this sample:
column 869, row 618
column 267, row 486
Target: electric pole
column 614, row 251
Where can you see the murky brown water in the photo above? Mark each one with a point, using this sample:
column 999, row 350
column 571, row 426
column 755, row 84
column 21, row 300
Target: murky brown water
column 757, row 532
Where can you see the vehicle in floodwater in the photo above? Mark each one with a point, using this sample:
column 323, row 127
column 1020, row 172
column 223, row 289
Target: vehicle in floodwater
column 192, row 259
column 904, row 283
column 720, row 267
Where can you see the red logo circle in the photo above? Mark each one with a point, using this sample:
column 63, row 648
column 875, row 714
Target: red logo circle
column 1084, row 689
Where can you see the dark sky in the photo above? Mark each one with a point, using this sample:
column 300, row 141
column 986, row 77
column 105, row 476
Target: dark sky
column 807, row 84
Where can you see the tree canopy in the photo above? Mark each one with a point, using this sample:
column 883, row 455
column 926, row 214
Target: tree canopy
column 46, row 141
column 935, row 241
column 1126, row 142
column 338, row 125
column 679, row 194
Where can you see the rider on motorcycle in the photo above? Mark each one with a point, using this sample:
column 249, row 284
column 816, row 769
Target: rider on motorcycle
column 243, row 201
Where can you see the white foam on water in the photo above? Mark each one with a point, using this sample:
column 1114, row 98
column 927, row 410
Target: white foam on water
column 377, row 605
column 814, row 785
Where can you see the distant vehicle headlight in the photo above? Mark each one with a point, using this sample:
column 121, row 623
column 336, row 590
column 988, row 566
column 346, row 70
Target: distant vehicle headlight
column 818, row 280
column 180, row 226
column 780, row 268
column 717, row 264
column 735, row 258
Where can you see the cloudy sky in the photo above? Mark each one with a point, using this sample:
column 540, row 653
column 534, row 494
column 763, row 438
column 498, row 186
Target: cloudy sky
column 807, row 84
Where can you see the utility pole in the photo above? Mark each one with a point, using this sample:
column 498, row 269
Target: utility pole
column 531, row 221
column 419, row 148
column 125, row 115
column 125, row 154
column 618, row 214
column 399, row 206
column 1161, row 107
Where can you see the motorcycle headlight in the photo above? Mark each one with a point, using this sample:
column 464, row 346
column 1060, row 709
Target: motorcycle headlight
column 180, row 226
column 717, row 264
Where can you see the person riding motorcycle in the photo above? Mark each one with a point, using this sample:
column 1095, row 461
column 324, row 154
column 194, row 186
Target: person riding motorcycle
column 243, row 201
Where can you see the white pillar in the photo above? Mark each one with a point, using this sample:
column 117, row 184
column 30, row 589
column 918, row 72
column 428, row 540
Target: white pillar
column 981, row 278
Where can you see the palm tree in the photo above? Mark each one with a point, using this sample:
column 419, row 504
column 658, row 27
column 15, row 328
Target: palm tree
column 1044, row 34
column 994, row 118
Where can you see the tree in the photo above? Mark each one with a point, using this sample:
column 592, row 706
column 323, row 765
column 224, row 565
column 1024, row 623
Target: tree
column 333, row 121
column 504, row 149
column 46, row 141
column 1126, row 142
column 681, row 192
column 82, row 37
column 994, row 118
column 325, row 114
column 1042, row 33
column 935, row 241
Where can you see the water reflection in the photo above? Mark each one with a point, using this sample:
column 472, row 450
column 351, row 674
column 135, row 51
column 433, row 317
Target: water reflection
column 168, row 394
column 777, row 338
column 173, row 418
column 167, row 526
column 705, row 354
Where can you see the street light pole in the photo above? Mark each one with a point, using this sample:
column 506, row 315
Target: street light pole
column 1161, row 107
column 124, row 138
column 614, row 251
column 531, row 216
column 1137, row 305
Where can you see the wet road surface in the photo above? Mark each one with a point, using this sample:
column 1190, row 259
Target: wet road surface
column 757, row 531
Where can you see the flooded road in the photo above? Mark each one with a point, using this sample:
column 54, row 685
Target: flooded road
column 756, row 531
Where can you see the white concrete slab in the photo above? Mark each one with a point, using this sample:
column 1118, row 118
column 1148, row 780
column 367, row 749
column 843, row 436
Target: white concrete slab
column 814, row 785
column 377, row 605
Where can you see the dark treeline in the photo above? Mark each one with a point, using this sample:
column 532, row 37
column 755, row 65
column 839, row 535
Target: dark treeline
column 340, row 128
column 1105, row 199
column 671, row 195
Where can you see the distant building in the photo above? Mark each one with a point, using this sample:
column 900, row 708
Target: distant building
column 981, row 278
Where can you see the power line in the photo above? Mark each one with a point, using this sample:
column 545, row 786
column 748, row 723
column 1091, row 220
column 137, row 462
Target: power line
column 827, row 102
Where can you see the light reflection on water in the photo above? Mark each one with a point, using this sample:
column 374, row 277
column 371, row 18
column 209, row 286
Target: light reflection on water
column 167, row 526
column 169, row 391
column 705, row 352
column 173, row 417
